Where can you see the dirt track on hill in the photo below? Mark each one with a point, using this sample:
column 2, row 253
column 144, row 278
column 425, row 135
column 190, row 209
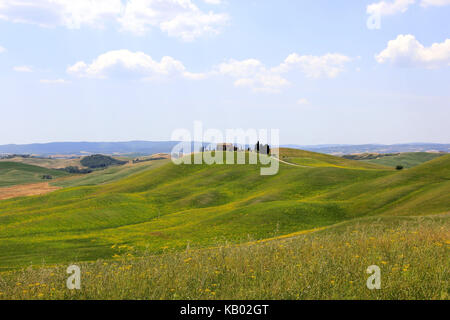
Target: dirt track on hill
column 26, row 190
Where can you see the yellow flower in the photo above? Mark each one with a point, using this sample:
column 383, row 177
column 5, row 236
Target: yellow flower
column 40, row 295
column 332, row 281
column 383, row 262
column 213, row 293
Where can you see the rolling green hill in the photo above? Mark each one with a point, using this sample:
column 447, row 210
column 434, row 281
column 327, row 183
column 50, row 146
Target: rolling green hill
column 407, row 160
column 108, row 175
column 200, row 206
column 14, row 173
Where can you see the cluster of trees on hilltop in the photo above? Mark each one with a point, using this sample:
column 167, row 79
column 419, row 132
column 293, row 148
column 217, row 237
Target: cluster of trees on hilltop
column 262, row 148
column 76, row 170
column 97, row 161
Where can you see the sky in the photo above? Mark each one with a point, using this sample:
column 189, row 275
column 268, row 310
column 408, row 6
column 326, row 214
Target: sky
column 322, row 72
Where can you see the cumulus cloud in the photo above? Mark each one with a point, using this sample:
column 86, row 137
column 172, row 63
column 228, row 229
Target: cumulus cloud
column 384, row 8
column 435, row 3
column 249, row 73
column 137, row 64
column 254, row 74
column 23, row 69
column 178, row 18
column 67, row 13
column 406, row 51
column 329, row 65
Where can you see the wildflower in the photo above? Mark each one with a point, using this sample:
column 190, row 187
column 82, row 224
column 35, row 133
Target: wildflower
column 383, row 262
column 213, row 293
column 40, row 295
column 332, row 282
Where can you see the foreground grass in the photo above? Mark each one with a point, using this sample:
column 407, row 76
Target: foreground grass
column 412, row 252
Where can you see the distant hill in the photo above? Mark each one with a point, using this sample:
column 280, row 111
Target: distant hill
column 406, row 160
column 84, row 148
column 142, row 148
column 339, row 149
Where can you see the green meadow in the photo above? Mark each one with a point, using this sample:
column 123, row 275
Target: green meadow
column 407, row 159
column 207, row 213
column 14, row 173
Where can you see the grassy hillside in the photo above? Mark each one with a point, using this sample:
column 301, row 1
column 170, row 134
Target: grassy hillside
column 108, row 175
column 13, row 173
column 407, row 160
column 325, row 264
column 49, row 163
column 199, row 205
column 312, row 159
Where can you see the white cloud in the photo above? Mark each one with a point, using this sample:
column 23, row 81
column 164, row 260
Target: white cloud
column 136, row 64
column 23, row 69
column 55, row 81
column 302, row 102
column 384, row 8
column 178, row 18
column 250, row 73
column 2, row 49
column 67, row 13
column 405, row 50
column 254, row 74
column 435, row 3
column 329, row 65
column 387, row 8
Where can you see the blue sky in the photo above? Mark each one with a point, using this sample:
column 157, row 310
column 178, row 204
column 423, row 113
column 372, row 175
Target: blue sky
column 112, row 70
